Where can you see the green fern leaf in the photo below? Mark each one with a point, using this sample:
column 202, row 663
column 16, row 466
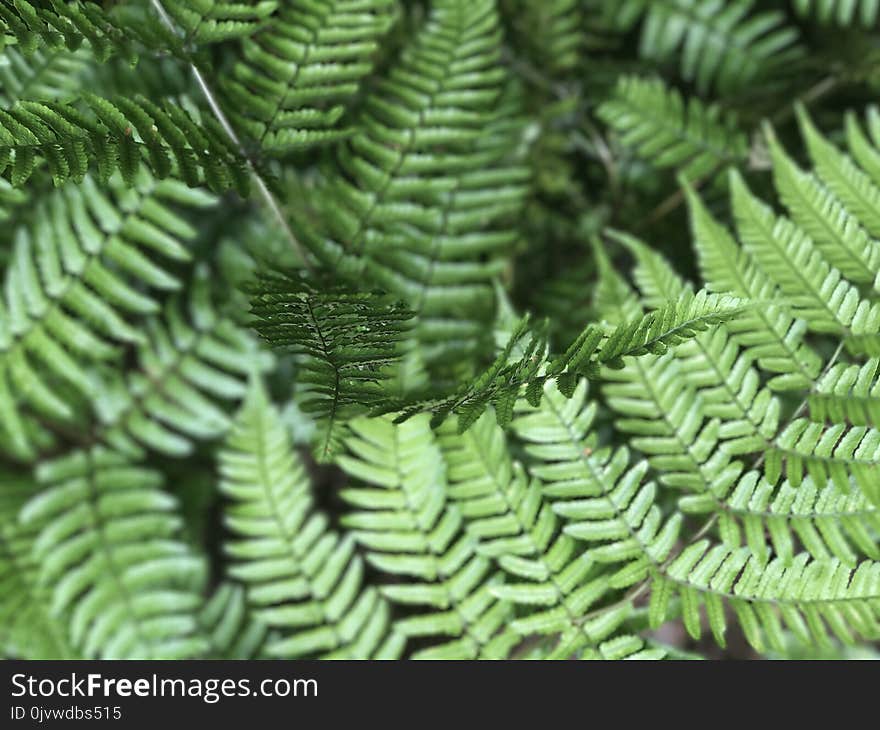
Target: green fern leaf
column 302, row 579
column 109, row 553
column 346, row 341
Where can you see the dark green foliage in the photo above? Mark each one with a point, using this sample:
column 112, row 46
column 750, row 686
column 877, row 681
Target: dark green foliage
column 346, row 341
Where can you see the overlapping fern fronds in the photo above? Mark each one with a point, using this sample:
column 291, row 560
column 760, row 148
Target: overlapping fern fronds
column 419, row 185
column 421, row 193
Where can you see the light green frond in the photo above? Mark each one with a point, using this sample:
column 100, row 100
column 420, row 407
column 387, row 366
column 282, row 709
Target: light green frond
column 814, row 599
column 604, row 503
column 839, row 454
column 80, row 277
column 824, row 218
column 43, row 76
column 295, row 77
column 769, row 333
column 29, row 629
column 664, row 416
column 826, row 521
column 848, row 393
column 818, row 292
column 410, row 530
column 109, row 553
column 305, row 582
column 728, row 384
column 227, row 622
column 193, row 361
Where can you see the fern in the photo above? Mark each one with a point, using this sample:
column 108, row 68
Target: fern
column 107, row 548
column 120, row 134
column 508, row 376
column 422, row 189
column 290, row 88
column 347, row 342
column 56, row 24
column 408, row 530
column 213, row 21
column 304, row 580
column 30, row 631
column 69, row 288
column 509, row 411
column 725, row 45
column 692, row 137
column 845, row 14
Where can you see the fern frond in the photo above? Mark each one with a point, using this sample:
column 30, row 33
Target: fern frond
column 853, row 186
column 121, row 134
column 192, row 360
column 551, row 31
column 424, row 186
column 410, row 530
column 768, row 333
column 654, row 120
column 842, row 13
column 502, row 383
column 817, row 291
column 296, row 76
column 603, row 501
column 836, row 453
column 43, row 76
column 814, row 599
column 29, row 630
column 214, row 21
column 824, row 520
column 728, row 385
column 502, row 508
column 347, row 341
column 726, row 45
column 231, row 630
column 109, row 552
column 819, row 212
column 55, row 24
column 302, row 579
column 74, row 285
column 848, row 393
